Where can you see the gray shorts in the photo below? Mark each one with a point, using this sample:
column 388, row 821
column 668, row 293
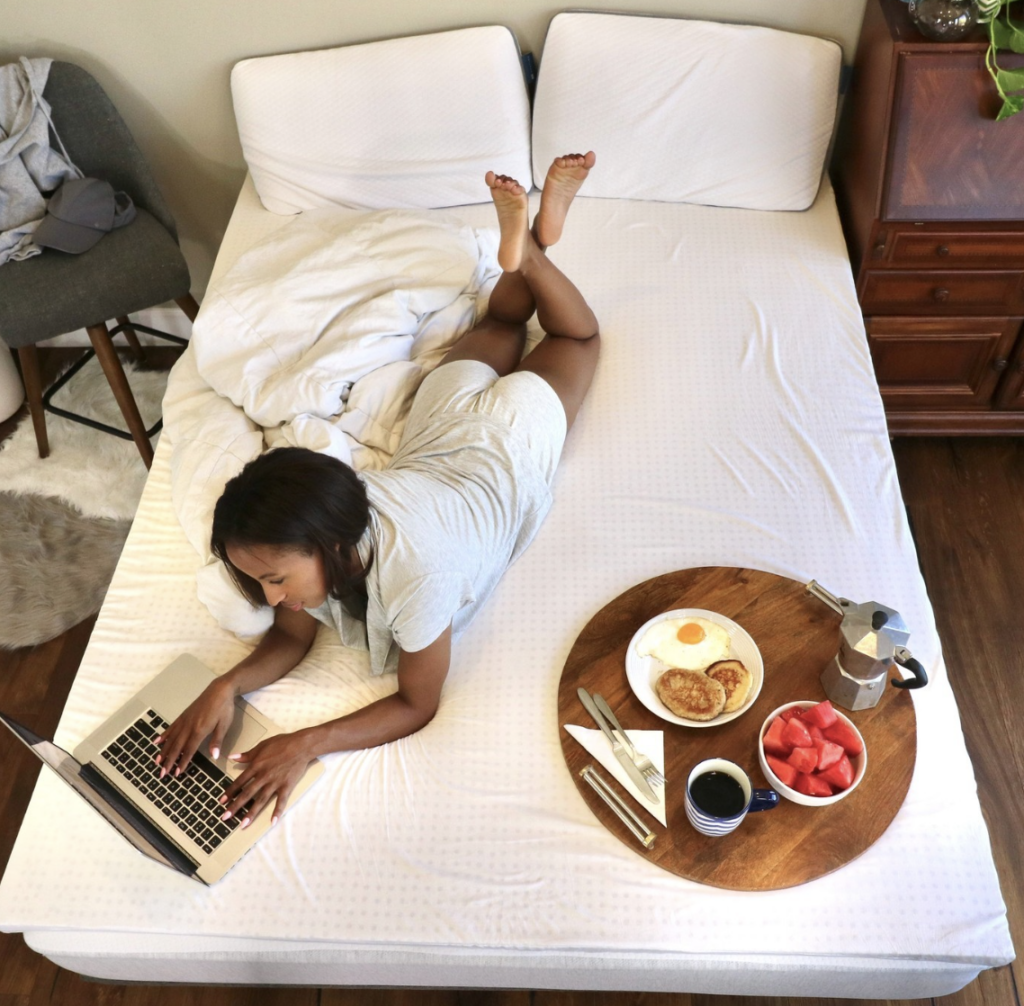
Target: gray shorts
column 523, row 400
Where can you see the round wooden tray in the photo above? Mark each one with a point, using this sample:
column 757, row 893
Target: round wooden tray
column 797, row 635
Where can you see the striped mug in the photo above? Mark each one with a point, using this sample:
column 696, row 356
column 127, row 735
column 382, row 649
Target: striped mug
column 719, row 796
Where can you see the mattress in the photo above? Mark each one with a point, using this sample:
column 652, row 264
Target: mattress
column 734, row 420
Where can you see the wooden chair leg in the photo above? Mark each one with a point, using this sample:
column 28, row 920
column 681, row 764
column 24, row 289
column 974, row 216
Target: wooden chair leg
column 131, row 338
column 188, row 305
column 28, row 357
column 114, row 372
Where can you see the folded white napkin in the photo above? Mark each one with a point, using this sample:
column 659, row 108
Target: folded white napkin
column 649, row 742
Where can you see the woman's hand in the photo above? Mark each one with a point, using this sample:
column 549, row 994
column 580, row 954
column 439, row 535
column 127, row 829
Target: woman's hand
column 274, row 768
column 209, row 716
column 286, row 642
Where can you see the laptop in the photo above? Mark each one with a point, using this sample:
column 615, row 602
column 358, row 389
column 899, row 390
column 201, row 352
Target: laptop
column 175, row 820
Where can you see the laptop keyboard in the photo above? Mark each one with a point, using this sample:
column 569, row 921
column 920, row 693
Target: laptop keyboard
column 189, row 800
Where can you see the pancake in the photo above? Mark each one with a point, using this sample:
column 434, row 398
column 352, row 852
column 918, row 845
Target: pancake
column 735, row 679
column 691, row 694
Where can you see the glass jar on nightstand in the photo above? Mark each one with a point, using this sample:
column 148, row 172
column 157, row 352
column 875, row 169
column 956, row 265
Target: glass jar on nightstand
column 944, row 20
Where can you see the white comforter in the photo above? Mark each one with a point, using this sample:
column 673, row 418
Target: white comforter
column 318, row 337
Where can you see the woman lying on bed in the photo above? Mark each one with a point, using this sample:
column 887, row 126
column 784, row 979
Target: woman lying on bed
column 399, row 560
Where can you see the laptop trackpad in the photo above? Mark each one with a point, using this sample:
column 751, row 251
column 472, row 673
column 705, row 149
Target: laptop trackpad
column 243, row 735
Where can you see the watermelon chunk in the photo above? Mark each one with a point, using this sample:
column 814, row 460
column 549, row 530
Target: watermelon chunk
column 772, row 740
column 785, row 772
column 822, row 715
column 815, row 732
column 804, row 759
column 795, row 735
column 828, row 754
column 812, row 785
column 839, row 775
column 845, row 736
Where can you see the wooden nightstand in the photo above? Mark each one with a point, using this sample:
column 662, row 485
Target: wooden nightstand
column 931, row 193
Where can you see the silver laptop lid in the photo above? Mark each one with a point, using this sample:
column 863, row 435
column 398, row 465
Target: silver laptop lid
column 89, row 785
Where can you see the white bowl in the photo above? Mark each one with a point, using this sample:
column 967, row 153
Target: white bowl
column 859, row 762
column 642, row 673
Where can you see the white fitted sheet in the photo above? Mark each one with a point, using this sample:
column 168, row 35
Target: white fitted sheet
column 734, row 420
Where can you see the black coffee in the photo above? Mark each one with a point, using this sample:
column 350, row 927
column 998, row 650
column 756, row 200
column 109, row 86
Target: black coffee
column 717, row 793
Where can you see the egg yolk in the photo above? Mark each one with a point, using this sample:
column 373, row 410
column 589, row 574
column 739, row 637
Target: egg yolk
column 690, row 633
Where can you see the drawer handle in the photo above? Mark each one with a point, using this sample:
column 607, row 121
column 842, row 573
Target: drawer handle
column 941, row 293
column 1000, row 364
column 942, row 251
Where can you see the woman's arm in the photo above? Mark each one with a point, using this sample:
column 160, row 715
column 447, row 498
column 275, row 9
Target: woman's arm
column 276, row 764
column 287, row 641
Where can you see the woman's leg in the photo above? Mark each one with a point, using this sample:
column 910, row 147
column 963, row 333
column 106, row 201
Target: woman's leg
column 567, row 356
column 500, row 336
column 529, row 281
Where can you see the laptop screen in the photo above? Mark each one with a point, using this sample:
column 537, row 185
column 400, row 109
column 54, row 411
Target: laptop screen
column 103, row 798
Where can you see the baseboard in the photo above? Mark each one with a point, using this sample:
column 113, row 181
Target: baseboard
column 168, row 318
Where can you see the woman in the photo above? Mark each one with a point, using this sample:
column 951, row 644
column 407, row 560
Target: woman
column 400, row 560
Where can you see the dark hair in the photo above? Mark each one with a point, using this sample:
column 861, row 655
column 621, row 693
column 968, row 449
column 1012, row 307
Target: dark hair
column 294, row 498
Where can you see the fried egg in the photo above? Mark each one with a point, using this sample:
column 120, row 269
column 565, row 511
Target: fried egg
column 692, row 644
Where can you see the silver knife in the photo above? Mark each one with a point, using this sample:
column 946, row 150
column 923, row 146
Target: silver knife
column 617, row 749
column 599, row 701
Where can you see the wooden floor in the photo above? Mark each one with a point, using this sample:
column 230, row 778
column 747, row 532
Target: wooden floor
column 965, row 498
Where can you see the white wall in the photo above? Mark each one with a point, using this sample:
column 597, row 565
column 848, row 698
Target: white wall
column 166, row 65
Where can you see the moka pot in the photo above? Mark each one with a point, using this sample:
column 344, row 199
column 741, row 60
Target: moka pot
column 871, row 640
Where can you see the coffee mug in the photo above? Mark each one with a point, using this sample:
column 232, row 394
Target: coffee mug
column 719, row 796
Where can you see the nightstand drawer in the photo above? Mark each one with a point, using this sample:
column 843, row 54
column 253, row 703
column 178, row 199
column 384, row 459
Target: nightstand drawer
column 939, row 250
column 1010, row 394
column 928, row 363
column 949, row 293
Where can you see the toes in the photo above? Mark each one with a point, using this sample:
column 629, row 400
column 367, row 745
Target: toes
column 576, row 160
column 504, row 183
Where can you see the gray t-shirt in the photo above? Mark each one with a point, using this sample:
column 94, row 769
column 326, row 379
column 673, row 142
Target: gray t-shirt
column 462, row 498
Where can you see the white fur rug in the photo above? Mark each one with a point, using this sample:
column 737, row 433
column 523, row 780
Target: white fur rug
column 65, row 518
column 98, row 474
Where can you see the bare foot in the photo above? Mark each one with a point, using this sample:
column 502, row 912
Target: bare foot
column 565, row 176
column 513, row 216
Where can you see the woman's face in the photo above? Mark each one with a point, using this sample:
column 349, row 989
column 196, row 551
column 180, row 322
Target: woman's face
column 288, row 577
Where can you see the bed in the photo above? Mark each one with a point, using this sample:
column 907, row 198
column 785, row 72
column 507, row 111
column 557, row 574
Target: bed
column 734, row 421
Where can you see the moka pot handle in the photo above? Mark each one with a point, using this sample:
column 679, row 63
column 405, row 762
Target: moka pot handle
column 905, row 659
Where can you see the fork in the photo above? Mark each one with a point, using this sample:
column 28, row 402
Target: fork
column 642, row 762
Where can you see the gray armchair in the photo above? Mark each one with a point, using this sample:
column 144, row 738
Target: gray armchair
column 133, row 267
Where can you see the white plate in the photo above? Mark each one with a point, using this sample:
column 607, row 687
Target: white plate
column 643, row 672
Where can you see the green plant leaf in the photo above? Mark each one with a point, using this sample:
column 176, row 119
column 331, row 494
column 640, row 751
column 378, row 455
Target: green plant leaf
column 1012, row 104
column 1001, row 33
column 1017, row 38
column 1007, row 36
column 1011, row 80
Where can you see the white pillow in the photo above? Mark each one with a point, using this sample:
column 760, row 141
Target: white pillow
column 413, row 122
column 687, row 111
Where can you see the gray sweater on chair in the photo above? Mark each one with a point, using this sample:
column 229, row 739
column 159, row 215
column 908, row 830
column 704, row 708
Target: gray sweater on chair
column 28, row 166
